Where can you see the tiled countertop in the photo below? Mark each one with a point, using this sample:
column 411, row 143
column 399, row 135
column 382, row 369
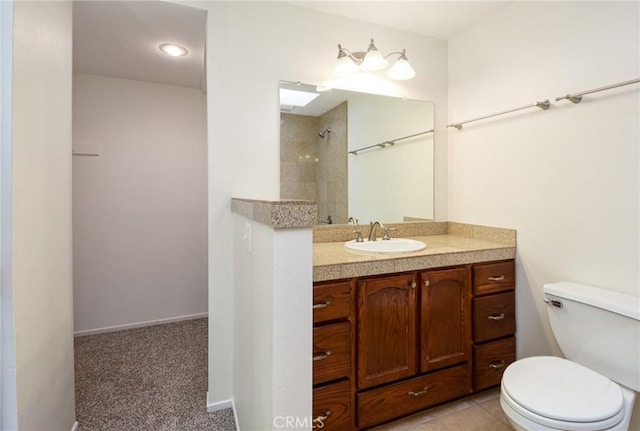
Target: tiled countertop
column 332, row 261
column 448, row 243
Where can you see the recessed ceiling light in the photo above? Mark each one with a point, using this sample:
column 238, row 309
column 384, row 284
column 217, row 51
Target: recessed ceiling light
column 173, row 50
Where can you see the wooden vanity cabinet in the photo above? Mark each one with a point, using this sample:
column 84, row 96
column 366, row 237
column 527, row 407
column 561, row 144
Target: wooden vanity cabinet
column 333, row 343
column 391, row 345
column 494, row 322
column 413, row 342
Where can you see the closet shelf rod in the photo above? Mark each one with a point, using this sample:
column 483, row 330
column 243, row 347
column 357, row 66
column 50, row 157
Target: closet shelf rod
column 577, row 97
column 391, row 142
column 544, row 105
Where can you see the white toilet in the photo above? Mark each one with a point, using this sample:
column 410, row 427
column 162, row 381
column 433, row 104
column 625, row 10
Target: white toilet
column 593, row 389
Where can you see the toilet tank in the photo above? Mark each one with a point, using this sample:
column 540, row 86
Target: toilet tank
column 597, row 328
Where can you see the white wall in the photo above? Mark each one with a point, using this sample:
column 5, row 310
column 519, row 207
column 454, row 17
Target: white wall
column 253, row 345
column 566, row 178
column 8, row 407
column 291, row 43
column 292, row 337
column 140, row 207
column 41, row 216
column 272, row 373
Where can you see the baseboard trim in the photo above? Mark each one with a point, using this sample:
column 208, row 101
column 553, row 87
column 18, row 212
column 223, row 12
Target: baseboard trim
column 220, row 405
column 235, row 415
column 75, row 427
column 138, row 324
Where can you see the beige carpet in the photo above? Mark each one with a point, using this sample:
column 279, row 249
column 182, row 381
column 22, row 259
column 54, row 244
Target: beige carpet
column 152, row 378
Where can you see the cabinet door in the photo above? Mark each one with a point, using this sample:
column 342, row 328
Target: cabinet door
column 445, row 318
column 386, row 329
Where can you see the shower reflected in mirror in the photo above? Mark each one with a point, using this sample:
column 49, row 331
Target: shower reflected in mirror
column 391, row 181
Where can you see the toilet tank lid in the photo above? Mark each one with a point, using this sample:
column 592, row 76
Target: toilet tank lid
column 616, row 302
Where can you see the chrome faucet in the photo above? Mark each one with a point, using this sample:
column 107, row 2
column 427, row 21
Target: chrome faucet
column 372, row 232
column 386, row 230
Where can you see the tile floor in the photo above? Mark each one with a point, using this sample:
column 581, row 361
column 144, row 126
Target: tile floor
column 478, row 412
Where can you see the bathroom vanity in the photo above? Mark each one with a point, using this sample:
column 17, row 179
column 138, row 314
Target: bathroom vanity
column 398, row 333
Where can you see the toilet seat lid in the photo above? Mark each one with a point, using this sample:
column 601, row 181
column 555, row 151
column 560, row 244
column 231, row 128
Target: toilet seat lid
column 562, row 390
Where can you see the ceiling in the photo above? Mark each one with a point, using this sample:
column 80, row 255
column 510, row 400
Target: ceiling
column 120, row 38
column 438, row 19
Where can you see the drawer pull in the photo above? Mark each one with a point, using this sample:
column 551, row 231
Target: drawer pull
column 497, row 364
column 321, row 418
column 496, row 317
column 496, row 278
column 322, row 356
column 418, row 393
column 321, row 305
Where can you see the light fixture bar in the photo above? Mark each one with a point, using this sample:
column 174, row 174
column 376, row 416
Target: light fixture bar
column 372, row 60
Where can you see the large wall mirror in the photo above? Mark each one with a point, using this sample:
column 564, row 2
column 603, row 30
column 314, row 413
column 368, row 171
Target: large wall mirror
column 358, row 155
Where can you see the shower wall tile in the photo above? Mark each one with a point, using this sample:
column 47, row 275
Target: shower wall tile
column 298, row 157
column 332, row 166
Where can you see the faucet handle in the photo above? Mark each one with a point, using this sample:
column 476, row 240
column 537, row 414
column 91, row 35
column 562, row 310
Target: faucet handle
column 386, row 232
column 358, row 235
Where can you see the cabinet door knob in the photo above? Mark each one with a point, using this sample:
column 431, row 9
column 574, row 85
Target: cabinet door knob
column 321, row 305
column 497, row 364
column 321, row 356
column 413, row 284
column 497, row 278
column 427, row 283
column 418, row 393
column 496, row 317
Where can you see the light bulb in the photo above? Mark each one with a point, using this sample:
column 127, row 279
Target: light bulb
column 344, row 67
column 401, row 70
column 373, row 60
column 173, row 50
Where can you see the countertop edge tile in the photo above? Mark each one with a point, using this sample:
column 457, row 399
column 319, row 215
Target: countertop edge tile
column 277, row 214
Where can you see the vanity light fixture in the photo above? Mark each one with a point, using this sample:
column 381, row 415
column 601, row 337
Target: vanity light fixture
column 350, row 62
column 173, row 49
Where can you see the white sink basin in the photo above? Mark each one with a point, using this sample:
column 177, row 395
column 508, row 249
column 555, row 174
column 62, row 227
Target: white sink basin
column 393, row 245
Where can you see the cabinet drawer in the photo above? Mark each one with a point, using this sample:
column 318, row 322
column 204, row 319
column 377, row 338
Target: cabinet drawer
column 331, row 301
column 494, row 316
column 332, row 407
column 490, row 361
column 395, row 400
column 494, row 277
column 331, row 352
